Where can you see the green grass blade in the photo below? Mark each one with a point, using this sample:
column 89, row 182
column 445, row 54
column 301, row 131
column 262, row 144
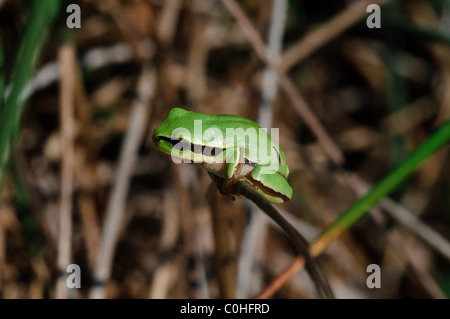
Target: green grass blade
column 2, row 76
column 41, row 16
column 383, row 188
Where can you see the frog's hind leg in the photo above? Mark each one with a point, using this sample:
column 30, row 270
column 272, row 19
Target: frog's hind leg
column 272, row 183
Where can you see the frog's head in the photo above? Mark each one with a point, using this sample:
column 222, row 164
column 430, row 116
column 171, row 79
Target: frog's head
column 162, row 136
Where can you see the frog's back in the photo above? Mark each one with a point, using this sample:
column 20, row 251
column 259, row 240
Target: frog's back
column 236, row 126
column 221, row 121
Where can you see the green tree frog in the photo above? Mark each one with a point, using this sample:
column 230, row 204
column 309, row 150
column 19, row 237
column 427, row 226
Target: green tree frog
column 231, row 148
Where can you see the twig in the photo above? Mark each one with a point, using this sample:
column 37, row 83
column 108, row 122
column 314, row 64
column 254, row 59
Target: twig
column 298, row 242
column 83, row 109
column 222, row 252
column 88, row 213
column 424, row 275
column 426, row 233
column 195, row 78
column 193, row 254
column 288, row 87
column 93, row 59
column 163, row 274
column 116, row 205
column 252, row 248
column 326, row 32
column 67, row 61
column 269, row 80
column 168, row 19
column 85, row 171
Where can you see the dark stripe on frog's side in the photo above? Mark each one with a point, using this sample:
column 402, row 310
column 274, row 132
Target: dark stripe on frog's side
column 266, row 189
column 211, row 150
column 200, row 149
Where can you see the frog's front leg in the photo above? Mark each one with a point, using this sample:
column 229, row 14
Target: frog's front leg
column 232, row 161
column 227, row 164
column 225, row 168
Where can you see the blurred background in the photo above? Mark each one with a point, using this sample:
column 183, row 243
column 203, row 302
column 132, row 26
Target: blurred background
column 82, row 183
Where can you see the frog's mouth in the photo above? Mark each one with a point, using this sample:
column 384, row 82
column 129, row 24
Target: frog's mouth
column 182, row 144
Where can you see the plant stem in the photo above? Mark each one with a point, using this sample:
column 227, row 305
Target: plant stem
column 298, row 242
